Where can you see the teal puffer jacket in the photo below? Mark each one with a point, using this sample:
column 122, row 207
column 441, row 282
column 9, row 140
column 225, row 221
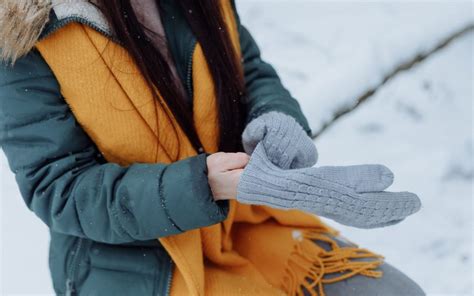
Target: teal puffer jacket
column 104, row 218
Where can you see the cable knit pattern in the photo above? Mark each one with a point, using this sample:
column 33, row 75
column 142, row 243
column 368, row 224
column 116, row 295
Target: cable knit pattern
column 286, row 141
column 351, row 195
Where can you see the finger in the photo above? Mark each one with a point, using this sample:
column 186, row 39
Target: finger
column 235, row 175
column 362, row 178
column 232, row 161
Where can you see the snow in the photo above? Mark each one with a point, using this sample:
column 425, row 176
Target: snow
column 24, row 242
column 419, row 124
column 331, row 53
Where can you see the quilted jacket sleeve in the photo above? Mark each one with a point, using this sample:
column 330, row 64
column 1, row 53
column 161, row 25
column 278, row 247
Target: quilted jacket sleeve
column 64, row 179
column 265, row 90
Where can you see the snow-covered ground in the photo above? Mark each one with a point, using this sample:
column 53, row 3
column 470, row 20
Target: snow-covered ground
column 331, row 52
column 419, row 124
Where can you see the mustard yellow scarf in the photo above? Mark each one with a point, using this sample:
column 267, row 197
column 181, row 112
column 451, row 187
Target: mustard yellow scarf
column 256, row 250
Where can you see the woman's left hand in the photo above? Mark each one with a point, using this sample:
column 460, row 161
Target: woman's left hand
column 224, row 170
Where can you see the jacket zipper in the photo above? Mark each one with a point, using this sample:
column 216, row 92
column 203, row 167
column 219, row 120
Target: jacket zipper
column 189, row 70
column 169, row 279
column 72, row 275
column 165, row 266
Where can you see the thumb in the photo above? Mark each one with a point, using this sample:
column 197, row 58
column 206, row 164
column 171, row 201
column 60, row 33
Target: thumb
column 253, row 134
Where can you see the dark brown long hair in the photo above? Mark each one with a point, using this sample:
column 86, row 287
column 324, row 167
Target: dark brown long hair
column 207, row 23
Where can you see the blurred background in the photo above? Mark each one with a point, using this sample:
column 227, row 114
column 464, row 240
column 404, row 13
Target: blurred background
column 386, row 82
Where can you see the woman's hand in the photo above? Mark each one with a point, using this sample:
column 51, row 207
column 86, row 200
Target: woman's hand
column 224, row 170
column 351, row 195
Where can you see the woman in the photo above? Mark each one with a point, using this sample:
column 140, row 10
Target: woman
column 111, row 118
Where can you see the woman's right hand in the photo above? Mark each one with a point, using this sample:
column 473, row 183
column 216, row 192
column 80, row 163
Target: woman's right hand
column 224, row 170
column 287, row 143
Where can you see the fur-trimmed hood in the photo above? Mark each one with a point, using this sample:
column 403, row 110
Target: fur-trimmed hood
column 22, row 21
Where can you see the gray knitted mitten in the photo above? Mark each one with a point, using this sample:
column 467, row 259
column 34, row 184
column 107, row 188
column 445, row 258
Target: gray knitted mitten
column 350, row 195
column 287, row 143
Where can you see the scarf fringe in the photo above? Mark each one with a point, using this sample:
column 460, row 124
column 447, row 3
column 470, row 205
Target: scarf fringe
column 308, row 265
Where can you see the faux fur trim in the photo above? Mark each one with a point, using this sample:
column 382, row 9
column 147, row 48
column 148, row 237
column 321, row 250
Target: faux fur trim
column 21, row 23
